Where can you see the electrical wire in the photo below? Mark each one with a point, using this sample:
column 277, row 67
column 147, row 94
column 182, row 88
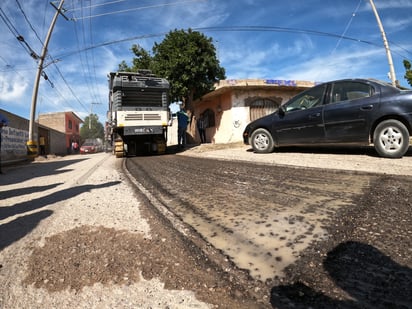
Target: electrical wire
column 91, row 72
column 88, row 75
column 92, row 66
column 222, row 29
column 347, row 27
column 17, row 35
column 11, row 67
column 97, row 5
column 137, row 8
column 68, row 86
column 29, row 23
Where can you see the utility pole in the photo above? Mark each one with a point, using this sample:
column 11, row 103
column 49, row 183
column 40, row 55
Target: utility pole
column 385, row 43
column 90, row 117
column 31, row 143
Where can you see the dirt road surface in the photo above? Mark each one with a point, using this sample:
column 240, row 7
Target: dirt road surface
column 74, row 233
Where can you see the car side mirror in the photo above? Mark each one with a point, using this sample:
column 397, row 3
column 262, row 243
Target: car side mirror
column 282, row 111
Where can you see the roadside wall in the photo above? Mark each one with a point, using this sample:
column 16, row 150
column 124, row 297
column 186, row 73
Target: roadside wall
column 14, row 137
column 16, row 134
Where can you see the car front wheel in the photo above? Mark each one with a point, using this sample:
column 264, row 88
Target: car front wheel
column 391, row 139
column 262, row 141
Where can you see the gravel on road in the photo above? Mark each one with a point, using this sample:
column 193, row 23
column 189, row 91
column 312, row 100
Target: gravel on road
column 72, row 236
column 65, row 243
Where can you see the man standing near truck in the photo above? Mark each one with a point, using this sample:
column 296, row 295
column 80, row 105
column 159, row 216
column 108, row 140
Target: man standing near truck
column 182, row 122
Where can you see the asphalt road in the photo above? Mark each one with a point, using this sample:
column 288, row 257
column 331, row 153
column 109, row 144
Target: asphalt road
column 261, row 216
column 321, row 228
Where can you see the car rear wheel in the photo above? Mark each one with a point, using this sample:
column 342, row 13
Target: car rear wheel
column 262, row 141
column 391, row 139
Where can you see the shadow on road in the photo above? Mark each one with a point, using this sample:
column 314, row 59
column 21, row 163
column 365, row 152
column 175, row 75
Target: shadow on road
column 369, row 277
column 16, row 229
column 23, row 172
column 20, row 227
column 27, row 190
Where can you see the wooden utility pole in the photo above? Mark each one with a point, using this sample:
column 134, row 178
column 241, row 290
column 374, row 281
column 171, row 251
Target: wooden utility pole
column 31, row 143
column 385, row 43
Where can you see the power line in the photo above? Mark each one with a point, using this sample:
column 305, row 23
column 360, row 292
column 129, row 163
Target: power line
column 228, row 29
column 97, row 5
column 290, row 30
column 81, row 39
column 17, row 35
column 137, row 8
column 223, row 29
column 347, row 26
column 91, row 67
column 11, row 67
column 68, row 86
column 27, row 20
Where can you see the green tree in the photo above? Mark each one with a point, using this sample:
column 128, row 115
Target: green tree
column 188, row 60
column 142, row 60
column 408, row 73
column 91, row 128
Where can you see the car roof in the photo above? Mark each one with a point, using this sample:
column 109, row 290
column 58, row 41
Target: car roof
column 367, row 80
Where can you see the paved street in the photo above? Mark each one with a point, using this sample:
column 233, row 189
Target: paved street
column 75, row 233
column 46, row 210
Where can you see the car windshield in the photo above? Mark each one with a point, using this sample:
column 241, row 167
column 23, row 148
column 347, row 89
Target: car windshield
column 308, row 99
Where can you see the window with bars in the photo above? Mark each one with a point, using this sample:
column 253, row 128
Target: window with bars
column 262, row 107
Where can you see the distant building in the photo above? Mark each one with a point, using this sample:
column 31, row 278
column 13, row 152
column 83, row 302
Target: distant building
column 65, row 122
column 234, row 103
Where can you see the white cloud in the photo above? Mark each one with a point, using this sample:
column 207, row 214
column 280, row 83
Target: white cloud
column 393, row 4
column 397, row 24
column 350, row 64
column 12, row 88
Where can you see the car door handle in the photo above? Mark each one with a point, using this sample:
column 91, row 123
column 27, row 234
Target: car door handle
column 313, row 116
column 366, row 108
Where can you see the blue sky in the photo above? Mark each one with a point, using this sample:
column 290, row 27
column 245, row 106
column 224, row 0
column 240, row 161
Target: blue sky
column 326, row 40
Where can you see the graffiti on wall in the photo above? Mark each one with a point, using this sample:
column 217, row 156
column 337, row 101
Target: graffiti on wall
column 14, row 141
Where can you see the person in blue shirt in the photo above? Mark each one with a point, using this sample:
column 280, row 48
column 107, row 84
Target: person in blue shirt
column 182, row 122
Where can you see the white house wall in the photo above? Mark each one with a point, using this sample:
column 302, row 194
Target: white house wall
column 231, row 103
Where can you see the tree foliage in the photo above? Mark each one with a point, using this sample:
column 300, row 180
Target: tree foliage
column 408, row 73
column 91, row 128
column 142, row 60
column 187, row 59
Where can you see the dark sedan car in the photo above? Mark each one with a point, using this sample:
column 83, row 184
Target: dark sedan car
column 350, row 111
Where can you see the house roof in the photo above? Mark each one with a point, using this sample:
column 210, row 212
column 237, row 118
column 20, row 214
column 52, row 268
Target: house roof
column 241, row 84
column 75, row 115
column 62, row 113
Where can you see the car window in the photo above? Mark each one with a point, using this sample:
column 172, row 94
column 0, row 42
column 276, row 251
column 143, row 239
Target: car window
column 308, row 99
column 344, row 91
